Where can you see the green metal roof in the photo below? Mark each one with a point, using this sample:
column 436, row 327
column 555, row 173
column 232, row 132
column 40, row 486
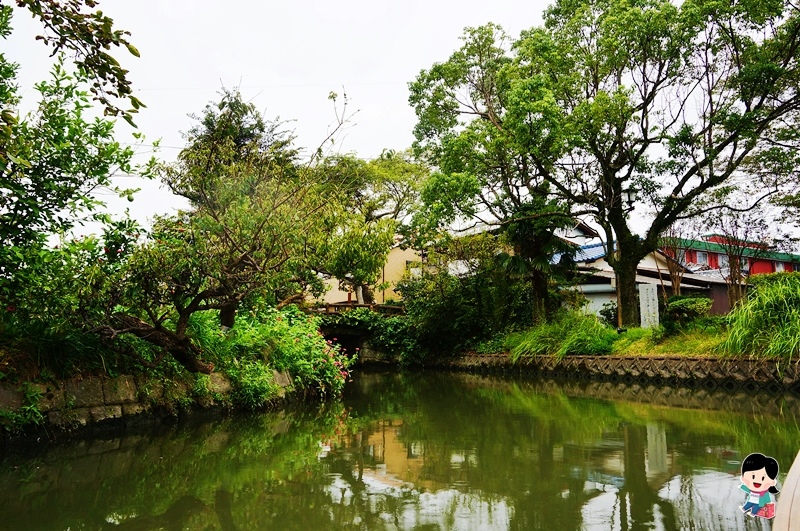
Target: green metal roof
column 699, row 245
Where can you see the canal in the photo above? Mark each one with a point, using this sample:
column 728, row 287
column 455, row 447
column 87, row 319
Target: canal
column 417, row 451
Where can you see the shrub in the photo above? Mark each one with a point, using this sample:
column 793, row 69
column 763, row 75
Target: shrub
column 767, row 323
column 681, row 312
column 254, row 384
column 609, row 313
column 572, row 333
column 283, row 340
column 686, row 309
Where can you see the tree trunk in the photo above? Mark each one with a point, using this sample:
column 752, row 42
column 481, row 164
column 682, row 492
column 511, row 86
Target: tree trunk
column 540, row 296
column 627, row 307
column 359, row 293
column 227, row 316
column 180, row 348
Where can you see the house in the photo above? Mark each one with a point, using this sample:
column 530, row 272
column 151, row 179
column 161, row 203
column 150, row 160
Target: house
column 599, row 282
column 712, row 253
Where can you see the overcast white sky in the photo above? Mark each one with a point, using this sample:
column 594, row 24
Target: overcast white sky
column 286, row 57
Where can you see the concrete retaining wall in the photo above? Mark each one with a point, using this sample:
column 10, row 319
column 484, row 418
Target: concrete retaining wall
column 749, row 375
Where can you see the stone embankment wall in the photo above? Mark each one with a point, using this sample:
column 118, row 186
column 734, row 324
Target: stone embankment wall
column 748, row 375
column 105, row 402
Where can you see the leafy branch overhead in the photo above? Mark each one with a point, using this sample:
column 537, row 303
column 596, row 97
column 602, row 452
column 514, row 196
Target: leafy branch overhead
column 86, row 34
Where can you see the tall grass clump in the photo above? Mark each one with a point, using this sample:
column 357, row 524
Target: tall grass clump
column 767, row 323
column 571, row 333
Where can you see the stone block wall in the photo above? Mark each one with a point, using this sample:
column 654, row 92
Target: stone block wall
column 87, row 401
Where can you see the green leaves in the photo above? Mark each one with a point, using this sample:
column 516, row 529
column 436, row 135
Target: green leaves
column 56, row 158
column 78, row 28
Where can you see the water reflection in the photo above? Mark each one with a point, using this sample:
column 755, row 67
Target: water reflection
column 413, row 451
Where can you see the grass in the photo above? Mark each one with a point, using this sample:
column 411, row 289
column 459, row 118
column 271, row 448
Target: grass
column 571, row 334
column 767, row 324
column 698, row 342
column 578, row 334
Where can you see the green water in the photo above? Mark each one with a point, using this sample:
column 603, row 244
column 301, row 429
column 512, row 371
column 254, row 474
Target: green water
column 412, row 451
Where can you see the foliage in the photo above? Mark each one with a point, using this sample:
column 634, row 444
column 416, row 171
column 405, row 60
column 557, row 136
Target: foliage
column 682, row 310
column 76, row 26
column 572, row 333
column 257, row 223
column 483, row 176
column 592, row 104
column 254, row 384
column 46, row 319
column 789, row 277
column 265, row 339
column 375, row 197
column 609, row 314
column 767, row 323
column 390, row 334
column 358, row 250
column 60, row 158
column 28, row 414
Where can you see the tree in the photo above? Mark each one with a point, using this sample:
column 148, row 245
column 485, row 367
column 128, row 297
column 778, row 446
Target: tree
column 51, row 161
column 672, row 244
column 257, row 221
column 484, row 175
column 674, row 101
column 375, row 198
column 61, row 157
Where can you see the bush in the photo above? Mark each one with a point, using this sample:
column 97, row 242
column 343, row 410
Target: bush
column 609, row 314
column 686, row 309
column 447, row 314
column 282, row 340
column 572, row 333
column 254, row 384
column 682, row 312
column 767, row 323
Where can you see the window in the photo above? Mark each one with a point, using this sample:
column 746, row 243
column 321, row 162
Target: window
column 723, row 260
column 779, row 267
column 702, row 257
column 795, row 267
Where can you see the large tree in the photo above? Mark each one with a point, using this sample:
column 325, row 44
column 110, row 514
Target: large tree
column 258, row 227
column 485, row 178
column 674, row 101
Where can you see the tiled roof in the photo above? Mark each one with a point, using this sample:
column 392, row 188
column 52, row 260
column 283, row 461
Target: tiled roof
column 584, row 253
column 590, row 253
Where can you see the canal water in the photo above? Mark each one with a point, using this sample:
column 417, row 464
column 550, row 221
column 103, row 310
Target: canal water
column 417, row 451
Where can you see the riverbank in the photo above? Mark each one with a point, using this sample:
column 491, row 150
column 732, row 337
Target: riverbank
column 748, row 374
column 63, row 408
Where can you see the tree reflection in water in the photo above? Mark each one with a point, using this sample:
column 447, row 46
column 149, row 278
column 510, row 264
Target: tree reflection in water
column 410, row 451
